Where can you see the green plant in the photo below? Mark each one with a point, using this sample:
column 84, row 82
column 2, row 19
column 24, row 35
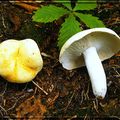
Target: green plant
column 74, row 17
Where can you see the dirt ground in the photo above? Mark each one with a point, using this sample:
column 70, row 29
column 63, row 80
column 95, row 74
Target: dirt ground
column 66, row 94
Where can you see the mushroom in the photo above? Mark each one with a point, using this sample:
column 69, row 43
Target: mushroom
column 20, row 61
column 89, row 48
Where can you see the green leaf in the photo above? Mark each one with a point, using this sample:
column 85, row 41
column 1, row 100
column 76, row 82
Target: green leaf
column 90, row 21
column 49, row 13
column 66, row 3
column 69, row 28
column 85, row 5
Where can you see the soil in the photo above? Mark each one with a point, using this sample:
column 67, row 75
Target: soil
column 66, row 94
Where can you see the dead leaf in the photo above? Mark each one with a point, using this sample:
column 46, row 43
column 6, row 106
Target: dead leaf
column 32, row 108
column 28, row 7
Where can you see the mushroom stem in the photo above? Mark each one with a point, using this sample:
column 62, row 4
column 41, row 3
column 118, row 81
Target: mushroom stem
column 96, row 72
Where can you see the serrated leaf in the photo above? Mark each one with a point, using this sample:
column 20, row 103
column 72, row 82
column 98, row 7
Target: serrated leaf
column 66, row 3
column 69, row 28
column 90, row 21
column 85, row 5
column 49, row 13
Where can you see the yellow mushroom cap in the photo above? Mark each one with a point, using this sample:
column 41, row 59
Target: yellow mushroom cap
column 20, row 61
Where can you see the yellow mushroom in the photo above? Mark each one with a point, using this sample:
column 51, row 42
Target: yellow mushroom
column 20, row 61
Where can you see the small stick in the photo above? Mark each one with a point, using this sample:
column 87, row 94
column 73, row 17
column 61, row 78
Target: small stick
column 70, row 100
column 40, row 87
column 1, row 94
column 46, row 55
column 3, row 109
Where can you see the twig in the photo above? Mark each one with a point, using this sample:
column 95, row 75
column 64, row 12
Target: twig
column 1, row 113
column 3, row 21
column 116, row 71
column 25, row 87
column 82, row 94
column 46, row 55
column 85, row 118
column 3, row 109
column 72, row 117
column 70, row 100
column 117, row 117
column 2, row 94
column 86, row 94
column 95, row 105
column 39, row 87
column 4, row 90
column 15, row 103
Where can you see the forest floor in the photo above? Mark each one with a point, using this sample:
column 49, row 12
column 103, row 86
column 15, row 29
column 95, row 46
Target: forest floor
column 65, row 94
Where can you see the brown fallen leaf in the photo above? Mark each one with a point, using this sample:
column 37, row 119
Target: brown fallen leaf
column 32, row 108
column 26, row 6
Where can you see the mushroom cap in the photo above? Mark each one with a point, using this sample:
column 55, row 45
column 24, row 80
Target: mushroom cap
column 20, row 61
column 106, row 41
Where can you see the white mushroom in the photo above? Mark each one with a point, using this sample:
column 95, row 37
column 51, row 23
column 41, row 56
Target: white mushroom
column 89, row 48
column 20, row 61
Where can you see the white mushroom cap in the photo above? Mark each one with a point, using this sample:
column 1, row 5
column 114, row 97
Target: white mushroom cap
column 20, row 61
column 106, row 41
